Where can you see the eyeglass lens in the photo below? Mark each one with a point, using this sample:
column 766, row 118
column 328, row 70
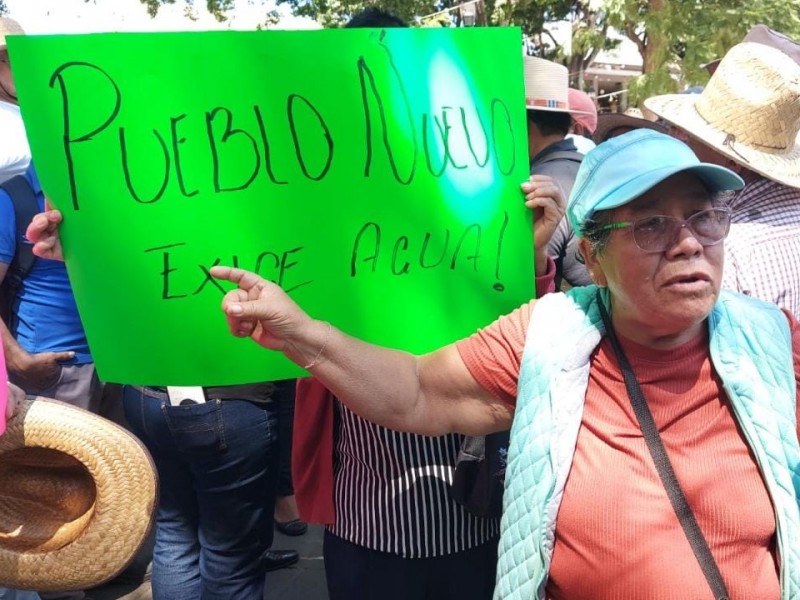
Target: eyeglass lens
column 655, row 234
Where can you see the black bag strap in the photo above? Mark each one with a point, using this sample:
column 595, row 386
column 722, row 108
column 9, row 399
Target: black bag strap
column 664, row 467
column 25, row 205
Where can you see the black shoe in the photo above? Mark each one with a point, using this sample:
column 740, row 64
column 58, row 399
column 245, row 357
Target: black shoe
column 293, row 527
column 279, row 559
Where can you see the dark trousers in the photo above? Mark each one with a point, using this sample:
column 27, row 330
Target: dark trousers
column 357, row 573
column 217, row 467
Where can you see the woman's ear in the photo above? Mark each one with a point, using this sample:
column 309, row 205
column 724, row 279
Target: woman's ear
column 592, row 264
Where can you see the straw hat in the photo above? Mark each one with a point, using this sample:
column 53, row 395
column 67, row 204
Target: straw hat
column 546, row 86
column 77, row 497
column 749, row 111
column 8, row 27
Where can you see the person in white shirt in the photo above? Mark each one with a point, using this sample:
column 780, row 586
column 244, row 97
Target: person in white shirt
column 15, row 154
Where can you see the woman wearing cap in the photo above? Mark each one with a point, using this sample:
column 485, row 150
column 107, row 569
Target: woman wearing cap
column 588, row 514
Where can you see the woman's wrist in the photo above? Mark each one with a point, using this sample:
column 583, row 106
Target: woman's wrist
column 309, row 348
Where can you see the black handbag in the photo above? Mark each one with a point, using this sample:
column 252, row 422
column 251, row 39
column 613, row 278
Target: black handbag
column 480, row 472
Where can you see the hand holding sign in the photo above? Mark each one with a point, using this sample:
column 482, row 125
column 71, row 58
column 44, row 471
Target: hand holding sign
column 544, row 196
column 43, row 232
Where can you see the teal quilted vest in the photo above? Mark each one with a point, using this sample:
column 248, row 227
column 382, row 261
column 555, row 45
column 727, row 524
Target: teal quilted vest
column 750, row 349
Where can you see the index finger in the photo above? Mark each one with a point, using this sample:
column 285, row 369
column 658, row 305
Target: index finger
column 535, row 182
column 541, row 179
column 244, row 279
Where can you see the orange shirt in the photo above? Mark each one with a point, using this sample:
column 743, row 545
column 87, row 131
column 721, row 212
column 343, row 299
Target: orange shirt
column 617, row 536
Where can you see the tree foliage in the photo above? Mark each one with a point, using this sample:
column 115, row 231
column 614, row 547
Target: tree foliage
column 589, row 31
column 677, row 37
column 3, row 9
column 332, row 13
column 218, row 8
column 329, row 13
column 530, row 15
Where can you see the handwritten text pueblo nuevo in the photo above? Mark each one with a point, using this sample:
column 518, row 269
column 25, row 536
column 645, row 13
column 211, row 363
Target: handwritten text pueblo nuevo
column 431, row 143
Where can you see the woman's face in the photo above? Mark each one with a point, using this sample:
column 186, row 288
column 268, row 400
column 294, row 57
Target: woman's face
column 661, row 299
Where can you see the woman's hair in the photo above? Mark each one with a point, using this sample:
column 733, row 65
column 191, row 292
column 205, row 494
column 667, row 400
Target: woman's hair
column 595, row 234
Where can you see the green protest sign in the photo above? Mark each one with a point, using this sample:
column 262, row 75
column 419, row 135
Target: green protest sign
column 373, row 174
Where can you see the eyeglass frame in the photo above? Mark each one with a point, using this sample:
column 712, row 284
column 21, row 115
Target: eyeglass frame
column 685, row 224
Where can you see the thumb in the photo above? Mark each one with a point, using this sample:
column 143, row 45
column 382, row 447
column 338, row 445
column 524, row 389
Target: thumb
column 58, row 356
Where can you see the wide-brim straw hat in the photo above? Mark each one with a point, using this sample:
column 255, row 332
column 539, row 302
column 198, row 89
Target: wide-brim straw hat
column 547, row 86
column 77, row 498
column 749, row 111
column 8, row 27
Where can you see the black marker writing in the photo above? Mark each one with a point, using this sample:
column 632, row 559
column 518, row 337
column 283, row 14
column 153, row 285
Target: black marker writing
column 68, row 140
column 282, row 269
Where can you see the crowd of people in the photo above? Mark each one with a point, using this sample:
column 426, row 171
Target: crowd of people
column 646, row 399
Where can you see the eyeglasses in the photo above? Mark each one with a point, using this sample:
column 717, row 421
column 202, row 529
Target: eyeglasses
column 657, row 233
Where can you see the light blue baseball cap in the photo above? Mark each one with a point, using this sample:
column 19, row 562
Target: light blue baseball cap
column 625, row 167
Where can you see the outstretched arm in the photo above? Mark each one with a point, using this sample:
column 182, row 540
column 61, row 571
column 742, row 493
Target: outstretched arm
column 431, row 394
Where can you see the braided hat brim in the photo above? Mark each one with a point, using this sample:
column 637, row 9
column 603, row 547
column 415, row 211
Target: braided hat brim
column 123, row 505
column 783, row 167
